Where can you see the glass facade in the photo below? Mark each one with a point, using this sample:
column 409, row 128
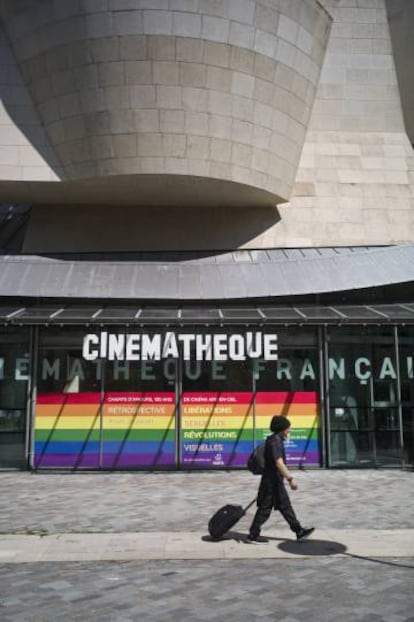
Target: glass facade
column 14, row 377
column 348, row 391
column 363, row 397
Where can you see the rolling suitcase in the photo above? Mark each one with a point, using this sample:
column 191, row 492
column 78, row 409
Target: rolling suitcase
column 225, row 518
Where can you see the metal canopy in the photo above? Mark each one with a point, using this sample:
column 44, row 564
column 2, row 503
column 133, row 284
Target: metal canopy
column 189, row 277
column 134, row 315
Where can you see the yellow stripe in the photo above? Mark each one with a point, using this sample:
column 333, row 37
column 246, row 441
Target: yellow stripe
column 67, row 423
column 139, row 423
column 217, row 422
column 72, row 410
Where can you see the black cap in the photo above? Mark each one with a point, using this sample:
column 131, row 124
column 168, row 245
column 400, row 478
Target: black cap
column 279, row 423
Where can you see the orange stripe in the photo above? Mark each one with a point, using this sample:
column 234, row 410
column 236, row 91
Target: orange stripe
column 229, row 410
column 56, row 410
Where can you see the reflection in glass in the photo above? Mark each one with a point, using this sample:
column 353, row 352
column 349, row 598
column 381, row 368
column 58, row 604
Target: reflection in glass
column 406, row 353
column 14, row 374
column 363, row 397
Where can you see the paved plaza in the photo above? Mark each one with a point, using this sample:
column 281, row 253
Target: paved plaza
column 135, row 547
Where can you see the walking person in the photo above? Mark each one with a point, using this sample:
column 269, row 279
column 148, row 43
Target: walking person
column 272, row 492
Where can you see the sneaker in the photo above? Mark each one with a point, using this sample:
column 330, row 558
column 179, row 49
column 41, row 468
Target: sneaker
column 304, row 533
column 256, row 540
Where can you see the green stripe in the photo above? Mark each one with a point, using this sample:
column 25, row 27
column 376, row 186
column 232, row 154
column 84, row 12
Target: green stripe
column 139, row 435
column 235, row 434
column 66, row 435
column 296, row 433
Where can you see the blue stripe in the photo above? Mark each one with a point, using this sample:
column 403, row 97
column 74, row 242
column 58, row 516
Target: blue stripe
column 66, row 447
column 228, row 445
column 301, row 445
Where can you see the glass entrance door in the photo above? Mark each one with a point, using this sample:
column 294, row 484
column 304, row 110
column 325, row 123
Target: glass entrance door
column 14, row 374
column 362, row 374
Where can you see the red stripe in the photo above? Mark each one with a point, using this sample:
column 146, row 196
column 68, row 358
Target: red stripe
column 68, row 398
column 286, row 397
column 150, row 397
column 216, row 398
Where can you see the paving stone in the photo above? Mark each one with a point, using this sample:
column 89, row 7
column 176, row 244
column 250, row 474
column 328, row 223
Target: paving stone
column 173, row 591
column 180, row 501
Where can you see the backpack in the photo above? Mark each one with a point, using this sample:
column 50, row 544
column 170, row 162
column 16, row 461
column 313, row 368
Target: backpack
column 256, row 461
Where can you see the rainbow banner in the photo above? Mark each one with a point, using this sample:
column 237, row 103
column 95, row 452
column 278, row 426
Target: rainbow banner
column 129, row 430
column 302, row 408
column 138, row 430
column 67, row 430
column 216, row 429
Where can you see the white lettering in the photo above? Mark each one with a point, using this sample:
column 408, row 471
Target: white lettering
column 192, row 370
column 220, row 347
column 359, row 372
column 337, row 368
column 203, row 347
column 151, row 348
column 116, row 347
column 217, row 371
column 170, row 347
column 387, row 369
column 270, row 347
column 254, row 350
column 104, row 342
column 133, row 347
column 22, row 369
column 258, row 366
column 147, row 371
column 283, row 368
column 51, row 370
column 76, row 370
column 89, row 353
column 187, row 340
column 307, row 371
column 121, row 369
column 236, row 348
column 410, row 367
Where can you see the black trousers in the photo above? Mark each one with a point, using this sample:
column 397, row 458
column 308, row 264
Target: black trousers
column 278, row 500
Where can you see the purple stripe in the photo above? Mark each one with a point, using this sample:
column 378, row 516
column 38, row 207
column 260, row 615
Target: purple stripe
column 67, row 460
column 311, row 458
column 114, row 461
column 211, row 459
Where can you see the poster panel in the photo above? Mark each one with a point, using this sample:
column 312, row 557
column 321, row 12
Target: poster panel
column 302, row 408
column 67, row 430
column 216, row 429
column 138, row 430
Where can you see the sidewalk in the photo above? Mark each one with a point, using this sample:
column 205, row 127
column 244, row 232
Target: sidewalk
column 363, row 543
column 164, row 516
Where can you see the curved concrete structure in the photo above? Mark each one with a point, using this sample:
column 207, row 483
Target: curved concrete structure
column 195, row 88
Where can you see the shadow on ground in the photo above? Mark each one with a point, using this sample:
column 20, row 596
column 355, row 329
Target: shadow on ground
column 306, row 547
column 313, row 547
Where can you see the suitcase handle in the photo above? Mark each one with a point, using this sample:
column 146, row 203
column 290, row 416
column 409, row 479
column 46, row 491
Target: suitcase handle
column 249, row 505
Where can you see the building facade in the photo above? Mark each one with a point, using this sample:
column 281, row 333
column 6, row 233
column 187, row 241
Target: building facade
column 207, row 218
